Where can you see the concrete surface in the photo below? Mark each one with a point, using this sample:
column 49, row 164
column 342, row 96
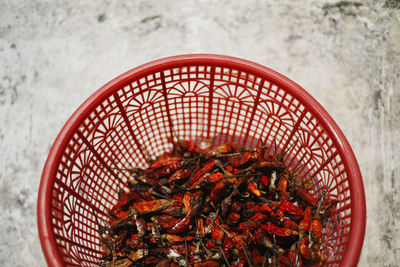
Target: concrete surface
column 54, row 54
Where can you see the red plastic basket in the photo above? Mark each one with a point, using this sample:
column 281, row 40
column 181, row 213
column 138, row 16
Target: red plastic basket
column 201, row 96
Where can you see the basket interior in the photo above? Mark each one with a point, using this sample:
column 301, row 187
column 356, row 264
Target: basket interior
column 135, row 121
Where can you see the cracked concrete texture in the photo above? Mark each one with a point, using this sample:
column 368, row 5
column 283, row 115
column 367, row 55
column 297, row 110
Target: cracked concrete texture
column 54, row 54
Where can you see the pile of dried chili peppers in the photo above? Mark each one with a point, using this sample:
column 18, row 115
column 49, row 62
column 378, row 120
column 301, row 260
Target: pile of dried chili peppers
column 216, row 206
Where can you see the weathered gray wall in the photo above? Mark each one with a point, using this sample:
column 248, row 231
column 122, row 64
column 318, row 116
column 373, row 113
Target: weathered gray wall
column 54, row 54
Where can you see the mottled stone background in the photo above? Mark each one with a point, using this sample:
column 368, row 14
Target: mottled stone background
column 54, row 54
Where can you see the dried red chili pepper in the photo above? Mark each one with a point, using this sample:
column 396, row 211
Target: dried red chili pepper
column 282, row 184
column 201, row 181
column 166, row 170
column 304, row 250
column 238, row 242
column 182, row 146
column 215, row 177
column 219, row 191
column 269, row 166
column 225, row 148
column 327, row 208
column 216, row 232
column 263, row 208
column 291, row 210
column 152, row 183
column 241, row 160
column 206, row 168
column 187, row 200
column 125, row 200
column 176, row 210
column 176, row 239
column 181, row 174
column 304, row 195
column 264, row 180
column 165, row 160
column 195, row 205
column 177, row 197
column 290, row 224
column 252, row 186
column 279, row 231
column 166, row 222
column 316, row 231
column 152, row 206
column 274, row 205
column 278, row 215
column 118, row 216
column 200, row 227
column 259, row 217
column 233, row 218
column 230, row 169
column 304, row 224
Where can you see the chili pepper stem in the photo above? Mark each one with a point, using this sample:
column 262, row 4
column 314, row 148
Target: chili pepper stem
column 155, row 224
column 317, row 211
column 139, row 241
column 223, row 255
column 228, row 199
column 102, row 230
column 112, row 214
column 176, row 136
column 246, row 254
column 267, row 243
column 151, row 191
column 236, row 188
column 219, row 155
column 265, row 259
column 208, row 252
column 262, row 142
column 287, row 150
column 186, row 185
column 279, row 254
column 298, row 168
column 213, row 206
column 219, row 165
column 120, row 222
column 187, row 161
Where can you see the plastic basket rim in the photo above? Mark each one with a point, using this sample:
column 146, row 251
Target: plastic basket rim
column 358, row 205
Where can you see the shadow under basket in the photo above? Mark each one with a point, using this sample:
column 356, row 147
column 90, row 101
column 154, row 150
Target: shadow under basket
column 195, row 97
